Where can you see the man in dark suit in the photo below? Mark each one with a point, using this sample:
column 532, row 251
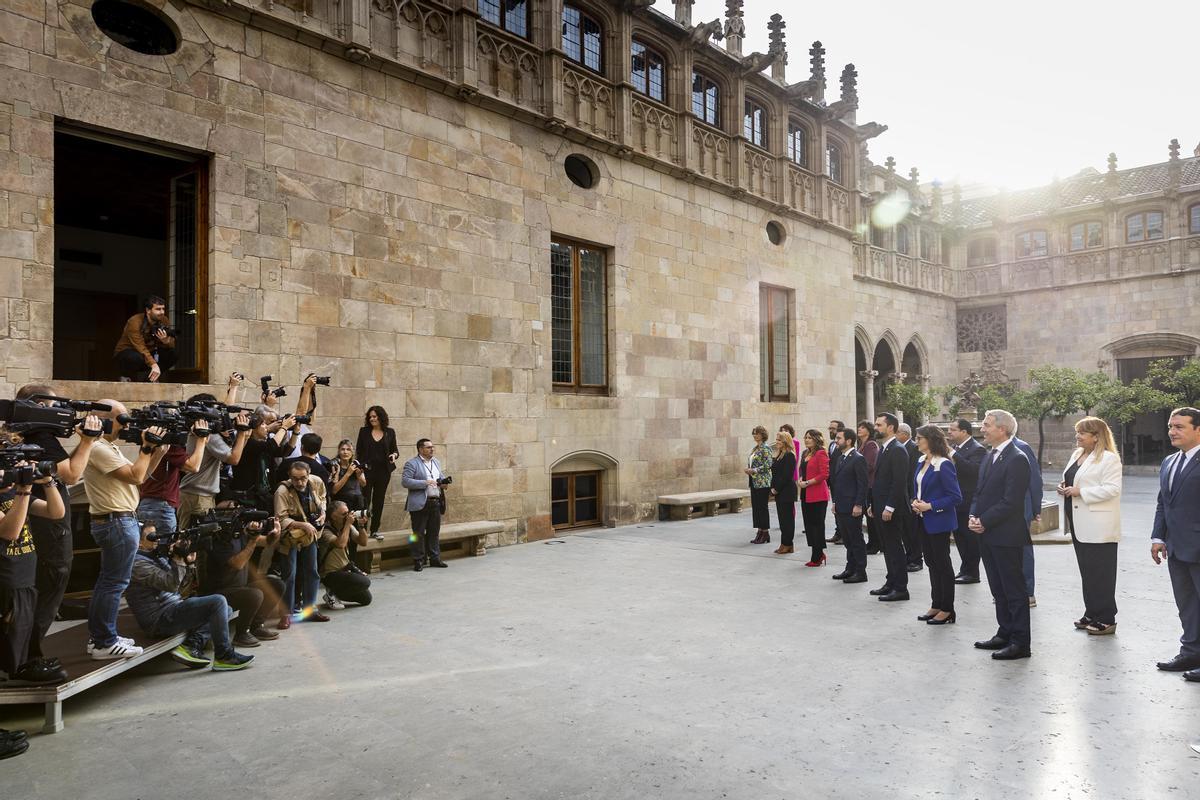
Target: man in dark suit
column 890, row 499
column 1177, row 534
column 968, row 456
column 998, row 516
column 1033, row 513
column 912, row 536
column 835, row 453
column 848, row 490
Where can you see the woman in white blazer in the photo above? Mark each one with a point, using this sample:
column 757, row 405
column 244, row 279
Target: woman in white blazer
column 1091, row 492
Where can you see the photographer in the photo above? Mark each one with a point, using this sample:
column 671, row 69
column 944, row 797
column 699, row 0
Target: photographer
column 160, row 491
column 348, row 478
column 268, row 438
column 112, row 483
column 227, row 573
column 160, row 610
column 52, row 537
column 426, row 504
column 198, row 490
column 343, row 580
column 18, row 577
column 310, row 453
column 146, row 349
column 300, row 508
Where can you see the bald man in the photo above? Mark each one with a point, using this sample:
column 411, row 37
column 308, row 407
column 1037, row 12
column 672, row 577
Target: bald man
column 112, row 488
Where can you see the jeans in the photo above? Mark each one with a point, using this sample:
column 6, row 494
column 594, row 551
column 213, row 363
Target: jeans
column 130, row 364
column 352, row 587
column 310, row 580
column 118, row 541
column 157, row 512
column 425, row 544
column 200, row 617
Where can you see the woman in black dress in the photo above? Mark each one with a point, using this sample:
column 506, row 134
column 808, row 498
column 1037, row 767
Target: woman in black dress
column 377, row 451
column 783, row 486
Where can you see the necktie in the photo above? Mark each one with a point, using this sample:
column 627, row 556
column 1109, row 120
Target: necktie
column 1178, row 470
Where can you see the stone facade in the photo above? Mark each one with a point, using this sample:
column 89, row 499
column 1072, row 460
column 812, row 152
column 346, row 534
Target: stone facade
column 384, row 182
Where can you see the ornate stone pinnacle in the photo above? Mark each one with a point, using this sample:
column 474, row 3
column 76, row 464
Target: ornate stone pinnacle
column 850, row 84
column 683, row 12
column 914, row 175
column 1112, row 162
column 777, row 47
column 890, row 164
column 735, row 27
column 1173, row 149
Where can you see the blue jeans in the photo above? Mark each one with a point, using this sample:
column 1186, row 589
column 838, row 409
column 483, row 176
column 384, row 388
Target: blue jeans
column 310, row 580
column 118, row 541
column 200, row 617
column 160, row 513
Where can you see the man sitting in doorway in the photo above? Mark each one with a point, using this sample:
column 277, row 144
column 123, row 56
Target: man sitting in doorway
column 146, row 350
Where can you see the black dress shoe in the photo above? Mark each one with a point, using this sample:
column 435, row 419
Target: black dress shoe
column 1192, row 675
column 13, row 736
column 841, row 576
column 915, row 567
column 965, row 579
column 882, row 590
column 1012, row 652
column 13, row 747
column 994, row 643
column 418, row 566
column 859, row 578
column 892, row 597
column 437, row 562
column 872, row 551
column 1180, row 664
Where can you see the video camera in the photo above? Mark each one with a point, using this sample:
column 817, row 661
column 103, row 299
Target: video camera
column 184, row 542
column 177, row 419
column 22, row 464
column 59, row 418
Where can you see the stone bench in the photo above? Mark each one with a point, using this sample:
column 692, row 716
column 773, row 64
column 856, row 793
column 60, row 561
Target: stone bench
column 472, row 537
column 1047, row 530
column 706, row 504
column 69, row 645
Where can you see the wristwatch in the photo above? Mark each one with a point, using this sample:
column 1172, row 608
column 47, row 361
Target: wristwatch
column 147, row 450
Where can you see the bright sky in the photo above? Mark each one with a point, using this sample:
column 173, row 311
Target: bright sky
column 1006, row 94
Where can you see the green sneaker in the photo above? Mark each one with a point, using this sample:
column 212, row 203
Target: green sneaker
column 231, row 662
column 189, row 657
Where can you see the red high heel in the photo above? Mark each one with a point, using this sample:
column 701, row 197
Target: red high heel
column 820, row 563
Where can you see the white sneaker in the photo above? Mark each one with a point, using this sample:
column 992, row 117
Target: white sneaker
column 333, row 603
column 125, row 640
column 118, row 649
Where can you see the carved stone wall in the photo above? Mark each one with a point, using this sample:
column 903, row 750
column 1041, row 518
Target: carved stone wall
column 982, row 329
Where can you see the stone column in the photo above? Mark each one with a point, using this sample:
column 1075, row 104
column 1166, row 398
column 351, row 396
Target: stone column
column 897, row 377
column 683, row 12
column 869, row 376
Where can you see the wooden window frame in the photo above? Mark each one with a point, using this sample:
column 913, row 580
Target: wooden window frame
column 648, row 54
column 1143, row 217
column 576, row 386
column 754, row 134
column 502, row 14
column 793, row 151
column 1085, row 226
column 572, row 497
column 704, row 107
column 766, row 293
column 1024, row 241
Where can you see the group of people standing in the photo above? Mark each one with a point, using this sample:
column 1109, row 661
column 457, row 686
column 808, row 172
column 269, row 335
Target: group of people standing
column 914, row 492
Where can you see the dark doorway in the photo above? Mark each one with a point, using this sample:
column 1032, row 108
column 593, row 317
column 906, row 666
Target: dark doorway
column 130, row 221
column 1144, row 440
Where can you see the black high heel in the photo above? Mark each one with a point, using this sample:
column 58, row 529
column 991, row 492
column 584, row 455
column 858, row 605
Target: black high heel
column 947, row 621
column 927, row 617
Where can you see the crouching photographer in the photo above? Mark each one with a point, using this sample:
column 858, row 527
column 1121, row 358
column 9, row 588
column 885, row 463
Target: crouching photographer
column 18, row 562
column 160, row 570
column 300, row 507
column 344, row 582
column 227, row 572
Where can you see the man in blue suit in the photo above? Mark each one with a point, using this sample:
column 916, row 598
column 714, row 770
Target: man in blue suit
column 998, row 516
column 1177, row 534
column 848, row 488
column 426, row 503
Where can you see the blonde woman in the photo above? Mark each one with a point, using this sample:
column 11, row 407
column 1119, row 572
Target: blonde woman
column 783, row 488
column 1091, row 492
column 758, row 470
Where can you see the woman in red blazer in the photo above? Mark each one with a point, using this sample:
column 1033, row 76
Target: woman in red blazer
column 814, row 493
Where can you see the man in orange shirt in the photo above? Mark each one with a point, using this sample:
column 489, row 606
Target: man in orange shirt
column 146, row 351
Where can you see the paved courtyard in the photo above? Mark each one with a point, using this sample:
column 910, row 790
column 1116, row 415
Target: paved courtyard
column 665, row 660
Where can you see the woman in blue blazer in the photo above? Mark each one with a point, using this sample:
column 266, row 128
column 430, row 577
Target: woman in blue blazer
column 935, row 494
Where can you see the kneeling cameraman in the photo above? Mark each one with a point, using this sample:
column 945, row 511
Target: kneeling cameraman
column 154, row 598
column 227, row 574
column 343, row 580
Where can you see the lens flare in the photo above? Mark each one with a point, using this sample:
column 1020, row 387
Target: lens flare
column 412, row 538
column 891, row 209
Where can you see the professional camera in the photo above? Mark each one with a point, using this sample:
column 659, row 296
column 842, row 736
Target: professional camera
column 184, row 542
column 303, row 419
column 445, row 480
column 155, row 415
column 59, row 418
column 167, row 329
column 265, row 380
column 322, row 381
column 360, row 517
column 22, row 464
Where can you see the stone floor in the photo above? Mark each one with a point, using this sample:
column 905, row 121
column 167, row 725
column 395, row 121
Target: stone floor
column 668, row 660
